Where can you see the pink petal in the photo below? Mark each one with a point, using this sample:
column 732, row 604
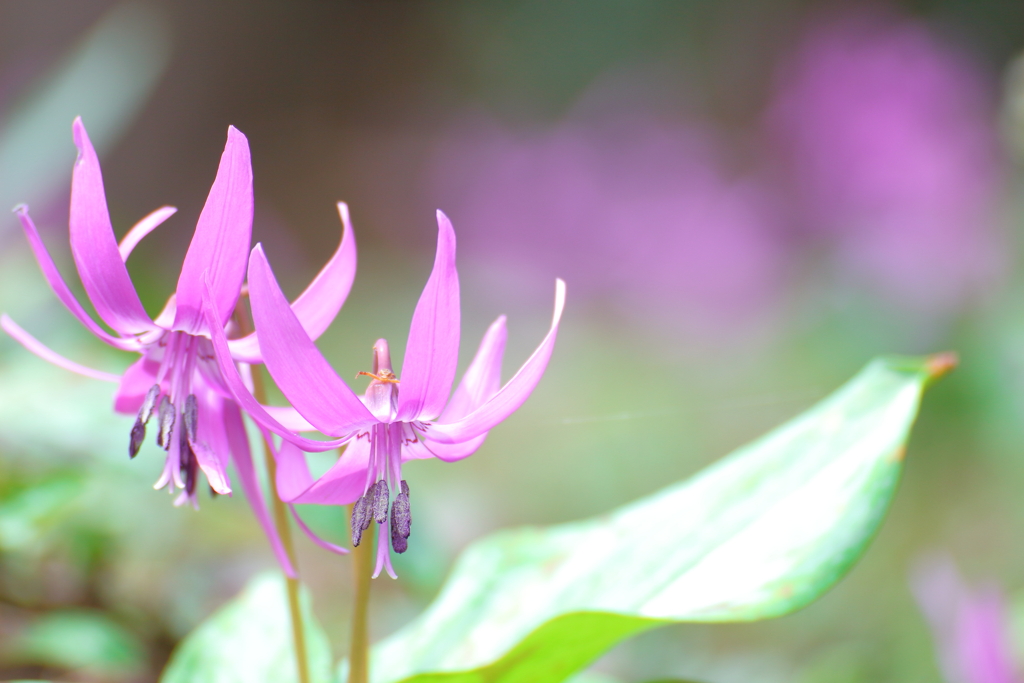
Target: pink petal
column 35, row 346
column 317, row 306
column 242, row 457
column 483, row 377
column 60, row 288
column 511, row 396
column 94, row 248
column 137, row 380
column 221, row 242
column 451, row 452
column 343, row 484
column 233, row 381
column 147, row 225
column 208, row 445
column 290, row 418
column 326, row 545
column 301, row 372
column 432, row 351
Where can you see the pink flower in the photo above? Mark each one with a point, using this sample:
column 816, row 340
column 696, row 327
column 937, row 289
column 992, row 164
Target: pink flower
column 892, row 144
column 637, row 211
column 397, row 419
column 969, row 625
column 177, row 382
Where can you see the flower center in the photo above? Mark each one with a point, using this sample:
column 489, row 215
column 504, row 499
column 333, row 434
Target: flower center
column 174, row 404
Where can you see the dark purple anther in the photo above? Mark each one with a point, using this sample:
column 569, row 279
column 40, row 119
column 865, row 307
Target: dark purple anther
column 360, row 518
column 165, row 416
column 189, row 415
column 401, row 520
column 380, row 502
column 138, row 436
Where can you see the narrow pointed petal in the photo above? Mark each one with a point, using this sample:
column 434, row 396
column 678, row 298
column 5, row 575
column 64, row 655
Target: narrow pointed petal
column 290, row 418
column 483, row 377
column 136, row 382
column 212, row 467
column 341, row 485
column 35, row 346
column 236, row 386
column 452, row 452
column 481, row 381
column 147, row 225
column 317, row 306
column 326, row 545
column 95, row 249
column 302, row 373
column 511, row 396
column 292, row 477
column 61, row 289
column 432, row 351
column 220, row 244
column 242, row 457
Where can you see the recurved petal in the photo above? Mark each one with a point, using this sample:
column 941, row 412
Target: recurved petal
column 137, row 380
column 35, row 346
column 233, row 381
column 317, row 306
column 450, row 452
column 326, row 545
column 301, row 372
column 483, row 377
column 432, row 351
column 208, row 444
column 511, row 396
column 95, row 249
column 242, row 458
column 220, row 244
column 341, row 485
column 148, row 224
column 60, row 288
column 290, row 418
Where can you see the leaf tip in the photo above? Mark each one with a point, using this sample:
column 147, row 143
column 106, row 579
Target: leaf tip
column 939, row 365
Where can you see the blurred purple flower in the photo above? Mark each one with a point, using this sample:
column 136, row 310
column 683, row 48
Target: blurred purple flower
column 386, row 427
column 893, row 145
column 177, row 380
column 630, row 209
column 969, row 625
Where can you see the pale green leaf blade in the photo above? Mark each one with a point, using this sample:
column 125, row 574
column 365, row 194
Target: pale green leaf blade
column 249, row 640
column 759, row 534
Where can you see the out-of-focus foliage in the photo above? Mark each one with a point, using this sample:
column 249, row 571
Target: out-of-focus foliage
column 249, row 641
column 105, row 79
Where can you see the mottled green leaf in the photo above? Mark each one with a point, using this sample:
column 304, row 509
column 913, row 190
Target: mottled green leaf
column 249, row 640
column 759, row 534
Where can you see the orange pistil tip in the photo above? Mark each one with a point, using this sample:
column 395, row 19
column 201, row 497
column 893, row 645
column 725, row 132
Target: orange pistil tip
column 383, row 376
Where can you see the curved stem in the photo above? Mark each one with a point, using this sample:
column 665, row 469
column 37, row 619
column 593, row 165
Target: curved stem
column 359, row 646
column 280, row 519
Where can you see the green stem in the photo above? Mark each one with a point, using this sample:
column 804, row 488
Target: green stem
column 280, row 519
column 359, row 648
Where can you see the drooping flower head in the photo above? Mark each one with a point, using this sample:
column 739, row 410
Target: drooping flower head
column 399, row 417
column 176, row 383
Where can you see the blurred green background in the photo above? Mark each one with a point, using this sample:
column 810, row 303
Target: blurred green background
column 747, row 199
